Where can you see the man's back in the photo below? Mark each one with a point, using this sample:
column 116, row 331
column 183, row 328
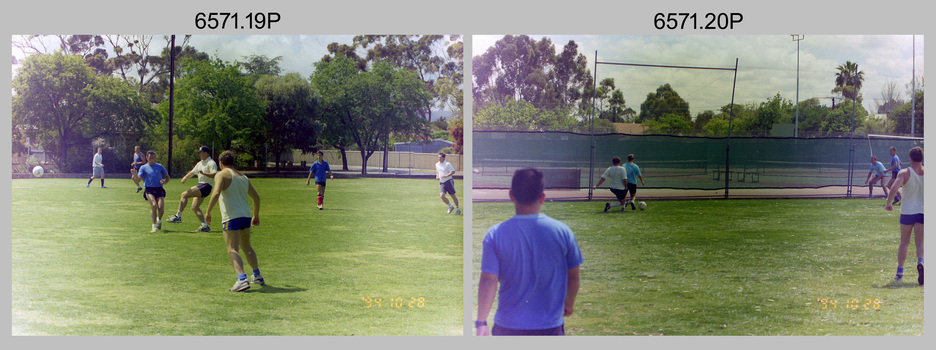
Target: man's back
column 531, row 255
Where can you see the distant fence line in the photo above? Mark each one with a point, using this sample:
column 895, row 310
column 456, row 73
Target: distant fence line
column 399, row 160
column 680, row 162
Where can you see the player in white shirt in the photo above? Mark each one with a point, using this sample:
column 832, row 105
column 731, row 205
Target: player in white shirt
column 97, row 168
column 444, row 172
column 617, row 183
column 205, row 170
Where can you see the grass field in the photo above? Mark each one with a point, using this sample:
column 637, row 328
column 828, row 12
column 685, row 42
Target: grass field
column 734, row 267
column 85, row 263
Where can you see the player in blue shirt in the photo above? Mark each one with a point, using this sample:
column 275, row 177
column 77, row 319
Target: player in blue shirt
column 154, row 176
column 633, row 173
column 319, row 169
column 894, row 170
column 877, row 168
column 535, row 259
column 138, row 161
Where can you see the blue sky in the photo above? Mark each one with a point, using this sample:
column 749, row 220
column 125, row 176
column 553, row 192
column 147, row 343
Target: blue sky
column 766, row 64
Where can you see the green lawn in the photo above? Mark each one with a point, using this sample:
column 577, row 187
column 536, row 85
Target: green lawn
column 734, row 267
column 85, row 263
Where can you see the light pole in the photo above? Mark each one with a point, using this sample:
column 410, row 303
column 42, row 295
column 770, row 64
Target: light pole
column 797, row 38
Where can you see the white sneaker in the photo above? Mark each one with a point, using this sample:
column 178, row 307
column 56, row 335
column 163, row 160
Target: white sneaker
column 203, row 228
column 450, row 209
column 258, row 279
column 175, row 219
column 240, row 286
column 457, row 211
column 154, row 229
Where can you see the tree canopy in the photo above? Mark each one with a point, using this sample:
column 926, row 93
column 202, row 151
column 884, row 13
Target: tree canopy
column 62, row 102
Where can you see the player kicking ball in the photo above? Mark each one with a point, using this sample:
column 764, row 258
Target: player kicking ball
column 617, row 183
column 231, row 190
column 319, row 169
column 205, row 170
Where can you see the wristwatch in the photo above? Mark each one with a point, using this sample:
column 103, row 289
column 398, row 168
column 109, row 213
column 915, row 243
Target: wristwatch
column 480, row 323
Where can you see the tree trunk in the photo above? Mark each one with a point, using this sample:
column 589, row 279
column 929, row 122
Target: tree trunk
column 344, row 158
column 363, row 162
column 63, row 152
column 386, row 154
column 278, row 156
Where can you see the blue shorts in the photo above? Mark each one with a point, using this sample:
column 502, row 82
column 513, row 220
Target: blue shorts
column 236, row 224
column 911, row 219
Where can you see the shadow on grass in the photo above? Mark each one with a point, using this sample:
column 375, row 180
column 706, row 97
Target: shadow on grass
column 898, row 285
column 267, row 288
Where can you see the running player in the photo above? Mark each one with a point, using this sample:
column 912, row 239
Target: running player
column 319, row 169
column 445, row 172
column 154, row 176
column 205, row 170
column 97, row 167
column 138, row 160
column 231, row 190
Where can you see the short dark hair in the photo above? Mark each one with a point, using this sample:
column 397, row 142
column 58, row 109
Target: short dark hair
column 630, row 157
column 320, row 153
column 442, row 154
column 227, row 158
column 150, row 152
column 615, row 160
column 916, row 154
column 527, row 185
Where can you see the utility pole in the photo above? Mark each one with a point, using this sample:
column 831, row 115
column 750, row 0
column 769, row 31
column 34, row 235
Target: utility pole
column 171, row 99
column 797, row 38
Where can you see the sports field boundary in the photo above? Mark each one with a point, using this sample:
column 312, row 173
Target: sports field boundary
column 339, row 174
column 602, row 194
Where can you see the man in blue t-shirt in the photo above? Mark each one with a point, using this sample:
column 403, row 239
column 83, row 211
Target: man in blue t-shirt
column 633, row 173
column 877, row 168
column 154, row 176
column 319, row 169
column 536, row 261
column 894, row 170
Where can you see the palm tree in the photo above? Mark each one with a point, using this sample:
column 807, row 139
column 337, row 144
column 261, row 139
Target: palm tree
column 848, row 80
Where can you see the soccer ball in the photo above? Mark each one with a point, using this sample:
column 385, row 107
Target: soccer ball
column 477, row 171
column 38, row 171
column 642, row 205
